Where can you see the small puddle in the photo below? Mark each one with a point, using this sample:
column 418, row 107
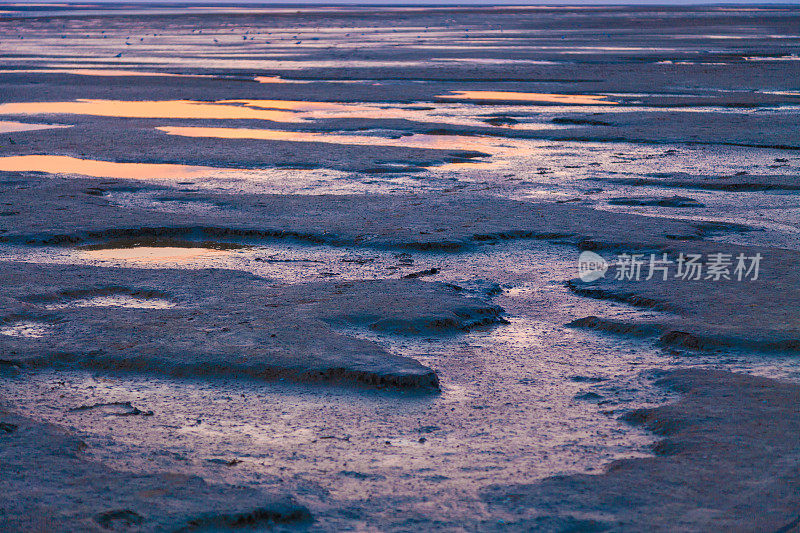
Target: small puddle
column 7, row 126
column 295, row 111
column 172, row 109
column 112, row 409
column 116, row 300
column 28, row 329
column 153, row 254
column 278, row 79
column 273, row 110
column 102, row 72
column 59, row 164
column 275, row 79
column 298, row 105
column 575, row 99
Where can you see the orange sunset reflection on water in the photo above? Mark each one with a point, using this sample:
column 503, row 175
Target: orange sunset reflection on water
column 153, row 254
column 59, row 164
column 419, row 140
column 172, row 109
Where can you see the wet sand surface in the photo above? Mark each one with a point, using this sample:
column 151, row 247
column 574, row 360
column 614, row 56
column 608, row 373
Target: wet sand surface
column 317, row 268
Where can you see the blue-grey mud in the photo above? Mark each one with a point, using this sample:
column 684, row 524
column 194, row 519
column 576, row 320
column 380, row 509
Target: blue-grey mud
column 317, row 269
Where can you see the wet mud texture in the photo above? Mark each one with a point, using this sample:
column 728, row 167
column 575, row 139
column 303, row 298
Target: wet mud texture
column 77, row 211
column 225, row 323
column 74, row 493
column 733, row 183
column 727, row 461
column 680, row 78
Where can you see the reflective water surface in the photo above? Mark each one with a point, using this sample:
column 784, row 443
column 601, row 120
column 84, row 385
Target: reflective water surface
column 575, row 99
column 152, row 254
column 59, row 164
column 144, row 109
column 7, row 126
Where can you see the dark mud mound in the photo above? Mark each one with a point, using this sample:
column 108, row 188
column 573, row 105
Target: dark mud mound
column 645, row 201
column 225, row 323
column 575, row 121
column 50, row 486
column 742, row 182
column 728, row 462
column 694, row 127
column 613, row 326
column 710, row 313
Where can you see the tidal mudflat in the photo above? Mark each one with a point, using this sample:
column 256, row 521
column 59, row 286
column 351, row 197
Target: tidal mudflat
column 394, row 269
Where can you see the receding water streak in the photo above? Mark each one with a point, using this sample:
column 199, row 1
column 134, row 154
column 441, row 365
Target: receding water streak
column 575, row 99
column 59, row 164
column 7, row 126
column 152, row 254
column 173, row 109
column 433, row 142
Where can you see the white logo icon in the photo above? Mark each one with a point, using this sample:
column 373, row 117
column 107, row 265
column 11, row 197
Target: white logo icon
column 591, row 266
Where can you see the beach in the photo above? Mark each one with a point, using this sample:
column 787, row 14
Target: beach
column 399, row 268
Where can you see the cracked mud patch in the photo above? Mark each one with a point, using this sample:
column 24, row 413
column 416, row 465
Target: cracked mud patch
column 116, row 300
